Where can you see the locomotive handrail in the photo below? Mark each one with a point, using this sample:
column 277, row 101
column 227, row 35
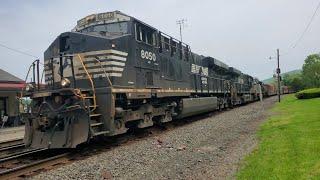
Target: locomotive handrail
column 22, row 89
column 34, row 81
column 109, row 81
column 91, row 82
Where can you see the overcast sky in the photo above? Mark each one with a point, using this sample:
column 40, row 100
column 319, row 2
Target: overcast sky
column 242, row 34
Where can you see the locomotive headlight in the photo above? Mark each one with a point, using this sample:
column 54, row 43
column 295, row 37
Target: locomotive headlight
column 29, row 87
column 65, row 82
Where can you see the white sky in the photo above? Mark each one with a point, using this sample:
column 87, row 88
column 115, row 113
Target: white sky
column 242, row 34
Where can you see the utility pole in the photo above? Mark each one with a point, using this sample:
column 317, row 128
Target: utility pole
column 181, row 24
column 278, row 73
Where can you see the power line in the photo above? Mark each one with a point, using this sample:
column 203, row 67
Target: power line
column 307, row 27
column 302, row 35
column 18, row 51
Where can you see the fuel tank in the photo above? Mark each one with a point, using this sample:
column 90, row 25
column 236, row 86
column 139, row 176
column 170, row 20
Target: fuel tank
column 193, row 106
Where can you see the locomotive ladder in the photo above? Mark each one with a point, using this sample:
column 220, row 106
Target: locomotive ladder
column 96, row 124
column 89, row 97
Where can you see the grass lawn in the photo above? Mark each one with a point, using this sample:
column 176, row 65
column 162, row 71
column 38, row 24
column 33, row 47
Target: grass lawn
column 289, row 143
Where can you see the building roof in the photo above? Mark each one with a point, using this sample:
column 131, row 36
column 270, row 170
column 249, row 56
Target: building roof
column 7, row 77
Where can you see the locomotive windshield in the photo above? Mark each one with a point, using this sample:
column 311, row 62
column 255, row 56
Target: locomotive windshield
column 119, row 28
column 104, row 24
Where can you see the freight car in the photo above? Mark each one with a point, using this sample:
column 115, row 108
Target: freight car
column 285, row 90
column 113, row 72
column 269, row 90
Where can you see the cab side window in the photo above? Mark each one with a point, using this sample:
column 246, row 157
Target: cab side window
column 166, row 44
column 173, row 47
column 145, row 34
column 186, row 53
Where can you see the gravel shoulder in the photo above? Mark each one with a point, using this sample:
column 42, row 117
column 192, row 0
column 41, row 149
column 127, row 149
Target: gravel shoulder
column 210, row 148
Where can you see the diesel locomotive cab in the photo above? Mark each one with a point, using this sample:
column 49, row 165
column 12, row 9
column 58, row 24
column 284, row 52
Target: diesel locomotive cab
column 76, row 65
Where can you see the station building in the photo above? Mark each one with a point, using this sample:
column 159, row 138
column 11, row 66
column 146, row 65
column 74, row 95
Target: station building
column 10, row 87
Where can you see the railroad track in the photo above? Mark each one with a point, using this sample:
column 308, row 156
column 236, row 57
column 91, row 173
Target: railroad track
column 26, row 163
column 11, row 147
column 10, row 143
column 7, row 150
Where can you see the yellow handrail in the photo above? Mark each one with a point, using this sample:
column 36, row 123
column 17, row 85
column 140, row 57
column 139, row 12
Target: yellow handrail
column 91, row 81
column 105, row 73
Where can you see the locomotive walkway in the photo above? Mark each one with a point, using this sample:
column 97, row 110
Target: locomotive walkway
column 210, row 147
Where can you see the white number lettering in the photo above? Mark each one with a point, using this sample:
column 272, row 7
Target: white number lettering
column 142, row 54
column 148, row 55
column 154, row 57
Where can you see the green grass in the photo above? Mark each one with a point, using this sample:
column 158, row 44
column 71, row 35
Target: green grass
column 289, row 143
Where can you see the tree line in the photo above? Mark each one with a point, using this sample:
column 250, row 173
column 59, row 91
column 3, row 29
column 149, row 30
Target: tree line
column 309, row 77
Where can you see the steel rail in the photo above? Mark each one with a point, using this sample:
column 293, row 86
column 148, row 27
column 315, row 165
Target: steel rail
column 10, row 143
column 6, row 148
column 33, row 166
column 13, row 149
column 20, row 154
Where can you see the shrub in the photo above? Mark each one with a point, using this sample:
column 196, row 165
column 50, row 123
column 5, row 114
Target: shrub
column 308, row 93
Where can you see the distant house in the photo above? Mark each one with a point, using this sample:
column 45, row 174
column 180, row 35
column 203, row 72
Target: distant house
column 10, row 87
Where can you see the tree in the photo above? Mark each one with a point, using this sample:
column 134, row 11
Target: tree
column 297, row 84
column 293, row 81
column 311, row 71
column 286, row 80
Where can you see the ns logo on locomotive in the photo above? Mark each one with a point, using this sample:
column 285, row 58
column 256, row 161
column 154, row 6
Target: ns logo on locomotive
column 113, row 72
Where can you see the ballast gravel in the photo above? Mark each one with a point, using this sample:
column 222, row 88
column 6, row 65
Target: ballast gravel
column 209, row 148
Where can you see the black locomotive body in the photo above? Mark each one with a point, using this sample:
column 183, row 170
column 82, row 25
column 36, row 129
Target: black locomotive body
column 113, row 72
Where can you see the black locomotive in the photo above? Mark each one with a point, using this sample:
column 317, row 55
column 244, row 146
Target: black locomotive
column 113, row 72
